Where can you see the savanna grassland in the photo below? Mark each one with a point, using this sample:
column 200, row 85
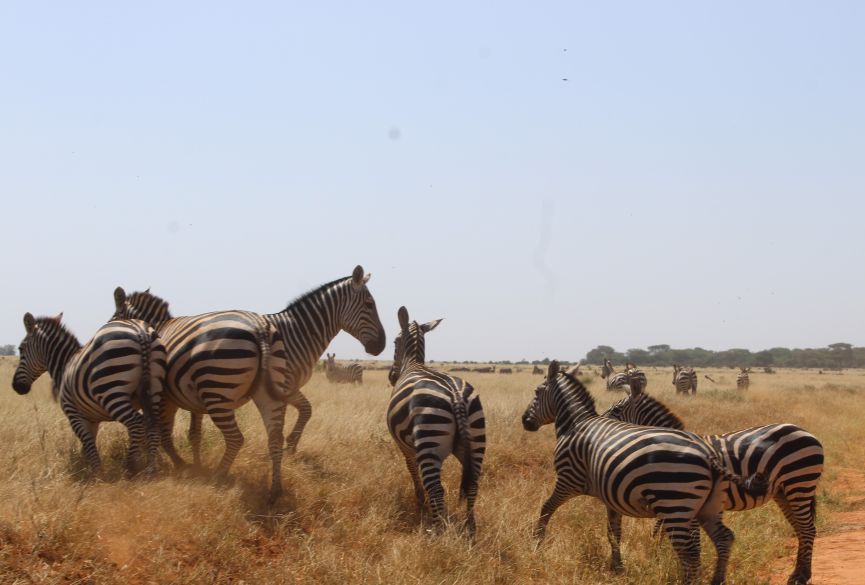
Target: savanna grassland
column 349, row 516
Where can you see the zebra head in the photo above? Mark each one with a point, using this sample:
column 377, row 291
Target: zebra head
column 140, row 305
column 409, row 345
column 607, row 369
column 676, row 368
column 541, row 410
column 359, row 317
column 42, row 334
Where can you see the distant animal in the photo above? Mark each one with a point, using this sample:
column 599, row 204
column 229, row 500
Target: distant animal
column 684, row 379
column 742, row 379
column 339, row 374
column 537, row 370
column 486, row 370
column 432, row 415
column 635, row 471
column 789, row 457
column 121, row 369
column 768, row 370
column 506, row 371
column 461, row 369
column 636, row 377
column 615, row 381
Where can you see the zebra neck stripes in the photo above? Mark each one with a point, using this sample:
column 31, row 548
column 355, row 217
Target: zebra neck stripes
column 49, row 346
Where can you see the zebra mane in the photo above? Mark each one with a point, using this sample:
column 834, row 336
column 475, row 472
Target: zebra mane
column 314, row 292
column 645, row 405
column 146, row 301
column 576, row 393
column 52, row 325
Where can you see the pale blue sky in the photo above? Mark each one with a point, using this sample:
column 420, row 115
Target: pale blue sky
column 698, row 180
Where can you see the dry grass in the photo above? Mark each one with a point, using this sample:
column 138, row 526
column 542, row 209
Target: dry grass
column 349, row 515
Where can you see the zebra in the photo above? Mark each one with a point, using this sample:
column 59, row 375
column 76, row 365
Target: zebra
column 636, row 377
column 350, row 374
column 506, row 370
column 742, row 379
column 636, row 471
column 614, row 381
column 486, row 370
column 430, row 416
column 788, row 456
column 537, row 370
column 121, row 368
column 684, row 379
column 219, row 361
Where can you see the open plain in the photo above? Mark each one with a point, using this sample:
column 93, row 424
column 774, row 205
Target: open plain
column 349, row 515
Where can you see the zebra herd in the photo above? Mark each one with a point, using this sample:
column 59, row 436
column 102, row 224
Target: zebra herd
column 636, row 457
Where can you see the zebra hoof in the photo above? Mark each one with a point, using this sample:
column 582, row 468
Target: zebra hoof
column 617, row 567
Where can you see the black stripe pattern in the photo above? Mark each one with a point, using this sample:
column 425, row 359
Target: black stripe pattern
column 339, row 374
column 615, row 381
column 432, row 415
column 121, row 369
column 684, row 379
column 635, row 471
column 743, row 381
column 789, row 457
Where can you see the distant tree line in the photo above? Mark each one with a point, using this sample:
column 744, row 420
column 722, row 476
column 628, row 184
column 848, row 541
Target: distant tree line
column 8, row 349
column 836, row 355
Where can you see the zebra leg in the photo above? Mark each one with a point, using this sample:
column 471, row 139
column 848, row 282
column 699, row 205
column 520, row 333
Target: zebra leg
column 194, row 435
column 226, row 422
column 681, row 534
column 419, row 495
column 722, row 537
column 560, row 495
column 430, row 466
column 166, row 432
column 154, row 423
column 614, row 536
column 801, row 517
column 86, row 431
column 304, row 412
column 273, row 415
column 137, row 428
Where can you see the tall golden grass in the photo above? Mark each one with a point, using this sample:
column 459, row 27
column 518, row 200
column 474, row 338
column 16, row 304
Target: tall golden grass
column 349, row 514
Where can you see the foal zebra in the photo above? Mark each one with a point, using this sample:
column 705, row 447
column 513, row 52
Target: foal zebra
column 352, row 373
column 742, row 379
column 614, row 381
column 120, row 369
column 219, row 361
column 789, row 457
column 684, row 379
column 432, row 415
column 636, row 471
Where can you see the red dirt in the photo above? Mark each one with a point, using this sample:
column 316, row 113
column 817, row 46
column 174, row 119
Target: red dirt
column 839, row 557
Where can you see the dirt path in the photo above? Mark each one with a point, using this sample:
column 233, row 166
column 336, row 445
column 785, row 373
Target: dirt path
column 839, row 556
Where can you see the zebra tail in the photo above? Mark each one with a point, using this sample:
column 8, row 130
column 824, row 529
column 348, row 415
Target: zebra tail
column 144, row 397
column 462, row 422
column 264, row 365
column 756, row 484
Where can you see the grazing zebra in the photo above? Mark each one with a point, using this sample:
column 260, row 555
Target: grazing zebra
column 107, row 379
column 486, row 370
column 684, row 379
column 537, row 370
column 742, row 379
column 614, row 381
column 636, row 471
column 789, row 457
column 636, row 377
column 219, row 361
column 432, row 415
column 506, row 371
column 350, row 374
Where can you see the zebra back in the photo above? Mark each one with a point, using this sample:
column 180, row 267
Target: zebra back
column 348, row 374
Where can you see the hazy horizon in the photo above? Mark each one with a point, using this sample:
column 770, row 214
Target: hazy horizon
column 547, row 179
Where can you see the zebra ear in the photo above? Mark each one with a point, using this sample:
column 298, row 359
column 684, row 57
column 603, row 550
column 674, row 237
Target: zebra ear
column 119, row 298
column 402, row 316
column 553, row 370
column 357, row 276
column 427, row 327
column 29, row 322
column 58, row 317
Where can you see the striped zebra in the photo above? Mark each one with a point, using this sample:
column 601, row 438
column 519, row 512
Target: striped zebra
column 636, row 377
column 432, row 415
column 635, row 471
column 537, row 370
column 121, row 369
column 684, row 379
column 742, row 379
column 219, row 361
column 614, row 381
column 350, row 374
column 789, row 457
